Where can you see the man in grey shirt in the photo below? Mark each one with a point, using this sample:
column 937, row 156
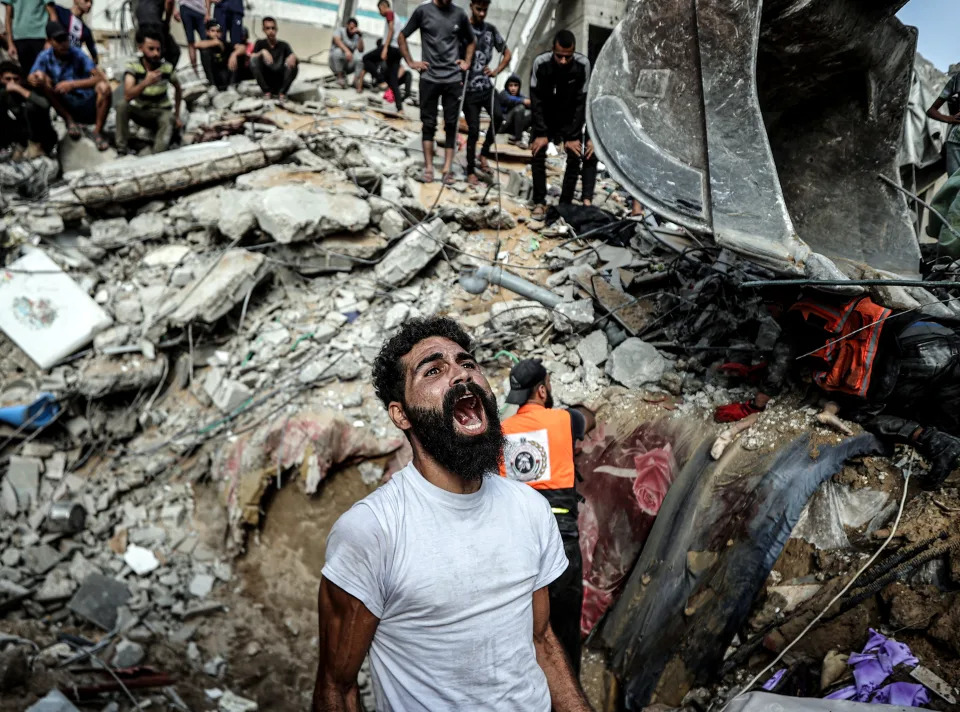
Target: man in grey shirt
column 346, row 42
column 444, row 31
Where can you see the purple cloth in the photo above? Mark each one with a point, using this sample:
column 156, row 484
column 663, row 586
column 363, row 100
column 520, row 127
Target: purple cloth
column 775, row 680
column 905, row 694
column 873, row 666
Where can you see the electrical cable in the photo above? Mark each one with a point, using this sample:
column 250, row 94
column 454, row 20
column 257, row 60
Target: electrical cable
column 903, row 499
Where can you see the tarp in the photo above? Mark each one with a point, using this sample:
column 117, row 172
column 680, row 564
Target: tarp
column 922, row 136
column 765, row 702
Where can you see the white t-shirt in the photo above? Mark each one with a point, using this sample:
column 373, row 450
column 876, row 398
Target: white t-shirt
column 451, row 578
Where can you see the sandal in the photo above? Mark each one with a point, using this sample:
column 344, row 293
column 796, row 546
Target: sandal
column 101, row 142
column 448, row 179
column 426, row 177
column 539, row 212
column 74, row 131
column 473, row 180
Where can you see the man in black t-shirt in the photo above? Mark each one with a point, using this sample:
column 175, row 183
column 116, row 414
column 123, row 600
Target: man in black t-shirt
column 273, row 63
column 215, row 56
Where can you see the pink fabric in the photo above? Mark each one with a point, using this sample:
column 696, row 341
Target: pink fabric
column 624, row 483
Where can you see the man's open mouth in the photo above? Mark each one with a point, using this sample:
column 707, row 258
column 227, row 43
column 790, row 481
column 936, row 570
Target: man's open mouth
column 468, row 411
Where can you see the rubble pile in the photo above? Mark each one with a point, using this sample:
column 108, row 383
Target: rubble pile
column 198, row 328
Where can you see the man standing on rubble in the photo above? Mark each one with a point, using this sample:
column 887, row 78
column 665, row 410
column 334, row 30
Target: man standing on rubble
column 73, row 85
column 951, row 145
column 146, row 99
column 539, row 449
column 72, row 20
column 480, row 90
column 385, row 58
column 897, row 374
column 25, row 22
column 445, row 31
column 558, row 93
column 442, row 573
column 273, row 63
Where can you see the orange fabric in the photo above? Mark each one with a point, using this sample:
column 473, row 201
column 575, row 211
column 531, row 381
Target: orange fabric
column 859, row 324
column 525, row 432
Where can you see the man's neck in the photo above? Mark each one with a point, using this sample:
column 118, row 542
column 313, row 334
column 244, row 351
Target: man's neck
column 76, row 11
column 439, row 476
column 475, row 22
column 272, row 42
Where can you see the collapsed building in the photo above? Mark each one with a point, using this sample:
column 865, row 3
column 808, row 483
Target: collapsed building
column 185, row 405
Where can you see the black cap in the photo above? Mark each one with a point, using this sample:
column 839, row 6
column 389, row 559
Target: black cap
column 55, row 30
column 524, row 377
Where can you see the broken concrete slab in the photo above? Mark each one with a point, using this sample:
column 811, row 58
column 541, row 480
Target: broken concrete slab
column 55, row 701
column 148, row 226
column 128, row 654
column 82, row 154
column 635, row 363
column 141, row 561
column 44, row 312
column 296, row 213
column 215, row 293
column 111, row 233
column 201, row 585
column 412, row 253
column 23, row 477
column 166, row 256
column 525, row 314
column 98, row 600
column 593, row 348
column 118, row 374
column 135, row 178
column 230, row 702
column 391, row 223
column 237, row 215
column 570, row 317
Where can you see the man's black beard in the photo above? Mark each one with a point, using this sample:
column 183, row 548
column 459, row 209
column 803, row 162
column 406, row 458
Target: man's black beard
column 548, row 403
column 470, row 457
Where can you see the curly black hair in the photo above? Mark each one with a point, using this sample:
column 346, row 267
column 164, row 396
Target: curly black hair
column 388, row 373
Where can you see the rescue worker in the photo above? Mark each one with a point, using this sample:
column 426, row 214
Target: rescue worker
column 539, row 449
column 896, row 374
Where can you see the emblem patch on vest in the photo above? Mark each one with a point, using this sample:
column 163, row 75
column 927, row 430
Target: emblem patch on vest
column 526, row 456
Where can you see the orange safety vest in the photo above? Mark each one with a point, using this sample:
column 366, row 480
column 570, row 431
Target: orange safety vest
column 539, row 448
column 850, row 360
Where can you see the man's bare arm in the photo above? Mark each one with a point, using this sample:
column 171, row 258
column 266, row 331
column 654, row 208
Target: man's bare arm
column 934, row 113
column 565, row 692
column 346, row 631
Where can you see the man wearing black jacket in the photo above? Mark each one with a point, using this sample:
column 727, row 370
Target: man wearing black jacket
column 558, row 93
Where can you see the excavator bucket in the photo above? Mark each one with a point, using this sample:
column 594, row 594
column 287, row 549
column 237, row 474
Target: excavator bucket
column 766, row 124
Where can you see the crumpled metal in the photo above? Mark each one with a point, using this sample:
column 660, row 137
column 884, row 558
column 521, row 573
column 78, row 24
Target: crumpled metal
column 873, row 666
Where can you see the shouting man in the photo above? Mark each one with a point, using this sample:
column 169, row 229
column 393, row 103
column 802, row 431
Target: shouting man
column 445, row 31
column 442, row 574
column 273, row 63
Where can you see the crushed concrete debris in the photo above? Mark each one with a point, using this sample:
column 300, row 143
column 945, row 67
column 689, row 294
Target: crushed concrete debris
column 223, row 374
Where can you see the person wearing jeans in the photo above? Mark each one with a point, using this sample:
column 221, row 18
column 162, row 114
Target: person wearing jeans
column 480, row 91
column 445, row 32
column 558, row 93
column 385, row 59
column 192, row 14
column 26, row 24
